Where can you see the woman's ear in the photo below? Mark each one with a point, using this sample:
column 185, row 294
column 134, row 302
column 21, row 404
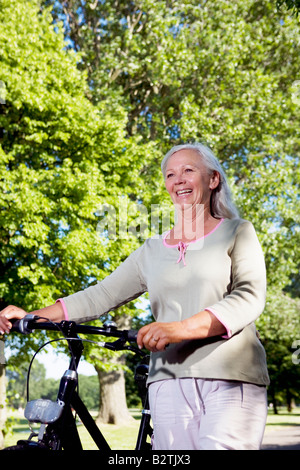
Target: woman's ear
column 214, row 180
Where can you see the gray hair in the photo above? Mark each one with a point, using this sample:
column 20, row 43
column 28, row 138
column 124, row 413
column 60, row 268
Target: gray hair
column 221, row 204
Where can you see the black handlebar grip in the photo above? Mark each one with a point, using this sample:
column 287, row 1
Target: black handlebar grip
column 132, row 335
column 22, row 325
column 15, row 325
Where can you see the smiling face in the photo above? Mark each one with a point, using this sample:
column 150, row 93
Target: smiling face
column 187, row 179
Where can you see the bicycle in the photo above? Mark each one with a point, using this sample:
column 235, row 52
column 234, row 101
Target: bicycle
column 58, row 430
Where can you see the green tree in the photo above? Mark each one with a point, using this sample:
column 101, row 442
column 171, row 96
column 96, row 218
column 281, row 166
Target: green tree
column 38, row 385
column 41, row 387
column 291, row 5
column 221, row 72
column 279, row 328
column 89, row 389
column 61, row 159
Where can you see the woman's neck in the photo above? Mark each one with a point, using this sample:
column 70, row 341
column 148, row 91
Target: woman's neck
column 192, row 224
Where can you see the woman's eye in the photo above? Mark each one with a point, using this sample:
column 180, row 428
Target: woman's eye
column 169, row 175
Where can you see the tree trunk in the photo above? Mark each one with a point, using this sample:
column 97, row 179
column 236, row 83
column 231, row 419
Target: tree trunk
column 290, row 401
column 2, row 394
column 113, row 407
column 274, row 402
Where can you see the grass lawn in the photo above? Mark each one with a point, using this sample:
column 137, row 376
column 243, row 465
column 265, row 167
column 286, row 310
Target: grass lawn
column 284, row 418
column 118, row 437
column 124, row 437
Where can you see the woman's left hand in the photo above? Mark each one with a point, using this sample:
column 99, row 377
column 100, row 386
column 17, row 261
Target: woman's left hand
column 156, row 336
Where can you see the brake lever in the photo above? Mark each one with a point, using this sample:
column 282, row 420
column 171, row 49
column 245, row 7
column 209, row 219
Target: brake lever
column 120, row 345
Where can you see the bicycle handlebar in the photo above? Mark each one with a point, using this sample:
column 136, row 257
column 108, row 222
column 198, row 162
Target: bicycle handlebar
column 29, row 323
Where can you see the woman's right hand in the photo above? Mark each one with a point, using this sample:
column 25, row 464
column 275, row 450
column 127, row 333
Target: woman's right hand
column 9, row 313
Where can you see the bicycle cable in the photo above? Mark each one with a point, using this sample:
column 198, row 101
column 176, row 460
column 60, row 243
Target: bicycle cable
column 31, row 363
column 52, row 341
column 98, row 343
column 73, row 361
column 46, row 344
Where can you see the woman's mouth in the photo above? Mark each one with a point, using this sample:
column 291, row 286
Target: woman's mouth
column 183, row 192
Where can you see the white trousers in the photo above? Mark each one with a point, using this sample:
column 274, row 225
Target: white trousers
column 198, row 414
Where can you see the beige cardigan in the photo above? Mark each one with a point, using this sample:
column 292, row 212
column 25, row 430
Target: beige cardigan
column 223, row 272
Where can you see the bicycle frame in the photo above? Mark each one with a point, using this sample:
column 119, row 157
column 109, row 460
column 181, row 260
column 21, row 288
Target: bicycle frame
column 62, row 433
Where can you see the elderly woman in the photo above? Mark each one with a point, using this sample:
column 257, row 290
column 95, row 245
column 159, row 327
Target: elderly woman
column 206, row 284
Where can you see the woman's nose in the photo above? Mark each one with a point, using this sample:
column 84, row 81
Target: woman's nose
column 179, row 179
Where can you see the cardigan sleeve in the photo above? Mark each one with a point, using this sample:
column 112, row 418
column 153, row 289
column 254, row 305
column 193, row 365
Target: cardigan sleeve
column 121, row 286
column 246, row 297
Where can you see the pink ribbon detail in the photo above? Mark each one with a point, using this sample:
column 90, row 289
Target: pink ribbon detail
column 182, row 248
